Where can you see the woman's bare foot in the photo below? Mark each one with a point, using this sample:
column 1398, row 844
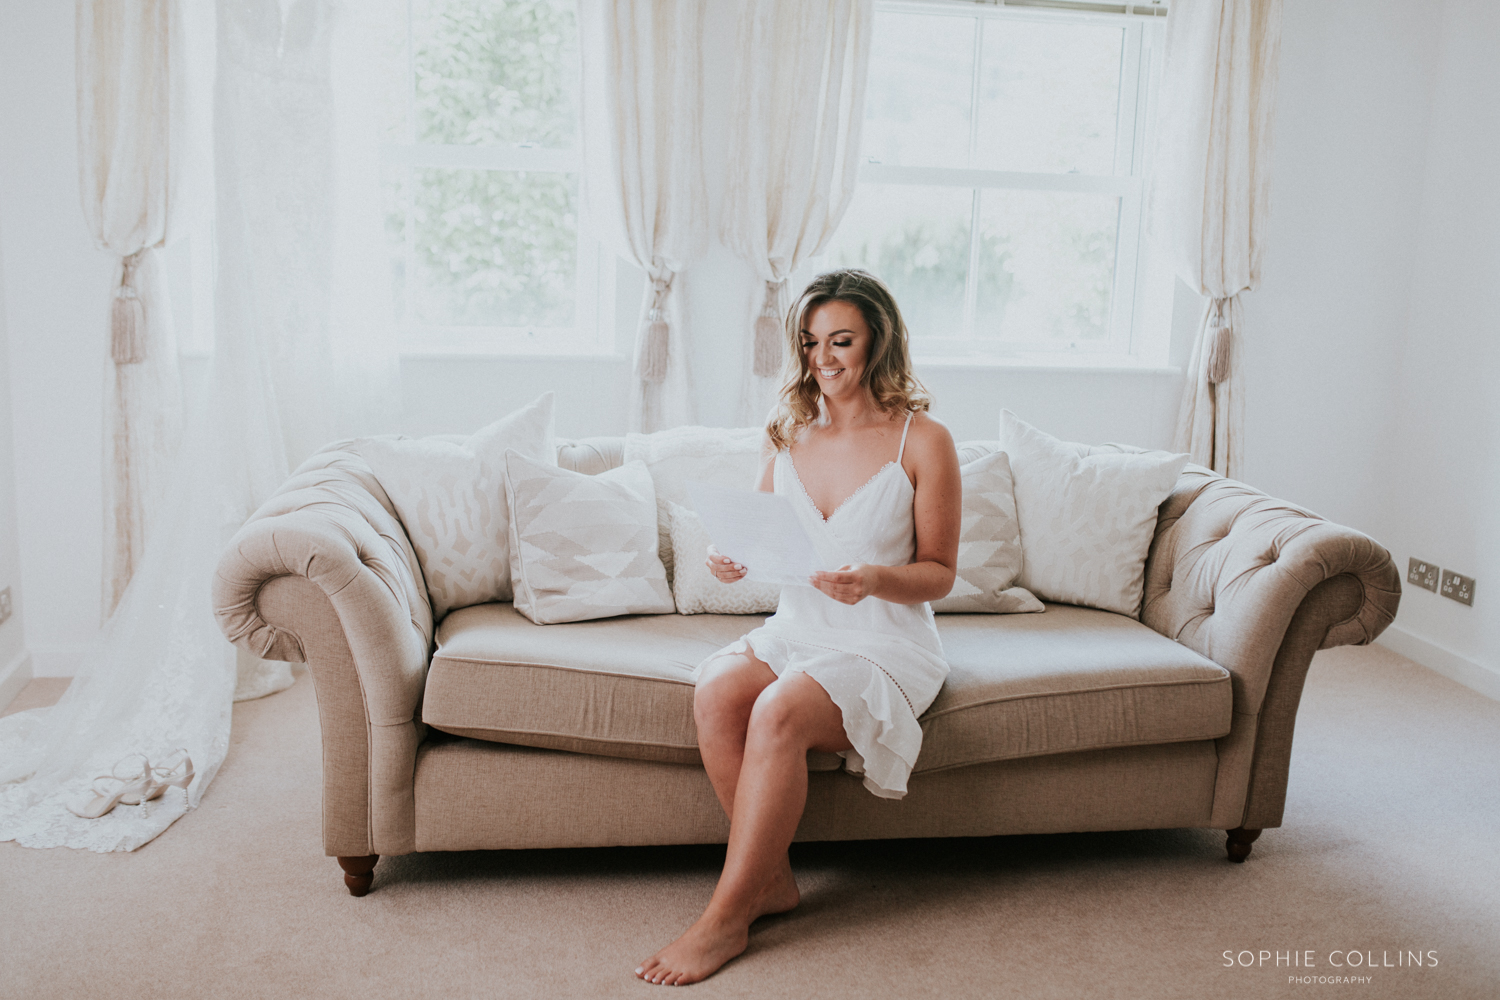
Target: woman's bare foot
column 698, row 954
column 709, row 943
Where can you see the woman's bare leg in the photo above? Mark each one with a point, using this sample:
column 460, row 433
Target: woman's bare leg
column 790, row 717
column 722, row 703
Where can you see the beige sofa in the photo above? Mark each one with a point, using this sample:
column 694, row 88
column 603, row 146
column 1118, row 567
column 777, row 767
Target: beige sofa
column 513, row 735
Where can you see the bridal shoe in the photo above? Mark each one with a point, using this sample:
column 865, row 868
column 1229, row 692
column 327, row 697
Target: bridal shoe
column 135, row 787
column 175, row 772
column 132, row 785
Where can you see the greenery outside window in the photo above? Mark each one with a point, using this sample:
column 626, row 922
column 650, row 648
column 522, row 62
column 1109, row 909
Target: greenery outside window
column 481, row 182
column 1006, row 168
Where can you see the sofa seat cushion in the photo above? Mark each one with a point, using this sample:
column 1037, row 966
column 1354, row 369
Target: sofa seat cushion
column 618, row 687
column 1067, row 680
column 1021, row 685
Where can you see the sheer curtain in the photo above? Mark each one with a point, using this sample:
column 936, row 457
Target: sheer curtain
column 1211, row 196
column 304, row 353
column 141, row 148
column 643, row 184
column 794, row 156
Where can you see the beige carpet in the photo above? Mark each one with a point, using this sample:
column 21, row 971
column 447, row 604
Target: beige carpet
column 1389, row 845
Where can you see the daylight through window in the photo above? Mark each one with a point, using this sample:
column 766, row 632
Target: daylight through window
column 1001, row 197
column 481, row 180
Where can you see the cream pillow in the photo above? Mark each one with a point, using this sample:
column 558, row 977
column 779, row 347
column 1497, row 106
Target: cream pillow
column 1087, row 515
column 583, row 547
column 694, row 587
column 719, row 455
column 451, row 501
column 989, row 545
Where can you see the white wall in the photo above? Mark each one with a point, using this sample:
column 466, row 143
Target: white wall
column 1324, row 331
column 56, row 295
column 1343, row 409
column 1442, row 476
column 15, row 665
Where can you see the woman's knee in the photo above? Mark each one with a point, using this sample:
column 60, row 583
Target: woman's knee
column 729, row 686
column 796, row 710
column 780, row 714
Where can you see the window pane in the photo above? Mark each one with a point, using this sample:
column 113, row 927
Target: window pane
column 1046, row 267
column 488, row 72
column 494, row 248
column 916, row 240
column 1048, row 97
column 918, row 95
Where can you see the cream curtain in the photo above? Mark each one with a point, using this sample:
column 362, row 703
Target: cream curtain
column 139, row 149
column 1211, row 197
column 794, row 156
column 304, row 353
column 643, row 183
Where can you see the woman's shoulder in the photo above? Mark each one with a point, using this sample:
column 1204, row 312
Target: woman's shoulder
column 929, row 434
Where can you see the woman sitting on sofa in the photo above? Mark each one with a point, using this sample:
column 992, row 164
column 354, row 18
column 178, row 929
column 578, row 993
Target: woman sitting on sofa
column 849, row 662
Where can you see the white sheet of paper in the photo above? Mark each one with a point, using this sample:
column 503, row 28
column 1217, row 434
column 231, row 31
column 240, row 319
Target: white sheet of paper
column 758, row 530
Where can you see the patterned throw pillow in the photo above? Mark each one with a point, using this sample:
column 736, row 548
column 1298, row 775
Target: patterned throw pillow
column 583, row 547
column 1087, row 515
column 451, row 501
column 694, row 587
column 989, row 545
column 721, row 455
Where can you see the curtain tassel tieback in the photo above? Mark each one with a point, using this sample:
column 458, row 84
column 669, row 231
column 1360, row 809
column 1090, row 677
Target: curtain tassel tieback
column 127, row 319
column 1220, row 338
column 652, row 366
column 768, row 333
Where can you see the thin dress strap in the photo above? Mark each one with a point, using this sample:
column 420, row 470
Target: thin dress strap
column 902, row 450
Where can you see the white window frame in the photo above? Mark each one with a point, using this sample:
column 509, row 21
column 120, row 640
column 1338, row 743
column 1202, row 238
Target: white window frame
column 1138, row 330
column 592, row 332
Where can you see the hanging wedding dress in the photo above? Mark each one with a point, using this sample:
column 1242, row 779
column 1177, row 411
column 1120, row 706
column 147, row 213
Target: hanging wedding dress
column 304, row 354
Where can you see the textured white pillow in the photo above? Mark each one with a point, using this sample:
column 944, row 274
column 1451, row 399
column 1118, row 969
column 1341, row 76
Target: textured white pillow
column 451, row 500
column 694, row 587
column 719, row 455
column 989, row 545
column 583, row 547
column 1087, row 515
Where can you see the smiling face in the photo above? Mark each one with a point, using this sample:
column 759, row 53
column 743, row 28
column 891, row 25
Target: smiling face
column 836, row 344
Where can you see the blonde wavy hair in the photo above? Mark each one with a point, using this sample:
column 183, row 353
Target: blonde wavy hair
column 887, row 374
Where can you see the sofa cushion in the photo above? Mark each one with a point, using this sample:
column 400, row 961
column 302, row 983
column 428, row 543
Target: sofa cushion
column 618, row 687
column 1071, row 679
column 1021, row 685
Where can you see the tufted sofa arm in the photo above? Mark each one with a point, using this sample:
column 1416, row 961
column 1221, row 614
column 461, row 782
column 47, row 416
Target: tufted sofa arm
column 1258, row 585
column 323, row 573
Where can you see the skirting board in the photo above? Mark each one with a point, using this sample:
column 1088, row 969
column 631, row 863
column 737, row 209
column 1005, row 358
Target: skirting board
column 1446, row 662
column 14, row 676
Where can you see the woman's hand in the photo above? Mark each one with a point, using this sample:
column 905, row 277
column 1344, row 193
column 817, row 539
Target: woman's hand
column 724, row 569
column 848, row 584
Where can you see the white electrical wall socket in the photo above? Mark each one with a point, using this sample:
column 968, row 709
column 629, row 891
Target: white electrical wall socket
column 1457, row 587
column 1423, row 574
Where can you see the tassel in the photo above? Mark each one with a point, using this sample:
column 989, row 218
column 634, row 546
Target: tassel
column 652, row 364
column 127, row 328
column 654, row 350
column 127, row 319
column 768, row 333
column 1220, row 345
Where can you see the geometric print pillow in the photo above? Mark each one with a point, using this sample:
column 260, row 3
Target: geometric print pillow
column 1087, row 515
column 583, row 547
column 451, row 501
column 989, row 544
column 694, row 587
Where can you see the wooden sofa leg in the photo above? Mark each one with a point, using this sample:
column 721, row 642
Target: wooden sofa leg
column 359, row 873
column 1238, row 845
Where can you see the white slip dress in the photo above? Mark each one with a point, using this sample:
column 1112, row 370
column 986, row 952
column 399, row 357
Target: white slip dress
column 881, row 663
